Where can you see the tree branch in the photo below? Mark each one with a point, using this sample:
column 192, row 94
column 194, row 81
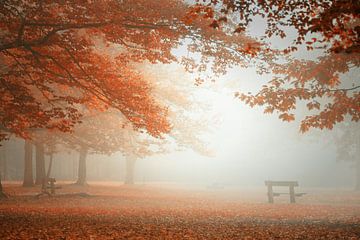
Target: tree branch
column 67, row 26
column 344, row 89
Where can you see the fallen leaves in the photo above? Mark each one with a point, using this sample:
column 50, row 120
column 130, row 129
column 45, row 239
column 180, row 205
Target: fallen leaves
column 144, row 212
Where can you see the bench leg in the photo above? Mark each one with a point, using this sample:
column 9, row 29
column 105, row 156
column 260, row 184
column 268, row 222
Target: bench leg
column 270, row 194
column 52, row 188
column 292, row 194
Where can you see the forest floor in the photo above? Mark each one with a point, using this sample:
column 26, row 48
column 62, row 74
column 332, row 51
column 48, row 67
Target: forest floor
column 171, row 212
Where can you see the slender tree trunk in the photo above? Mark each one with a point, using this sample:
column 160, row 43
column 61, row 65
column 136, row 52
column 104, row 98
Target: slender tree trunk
column 28, row 171
column 82, row 167
column 5, row 169
column 2, row 194
column 3, row 162
column 40, row 163
column 130, row 167
column 357, row 177
column 1, row 188
column 50, row 166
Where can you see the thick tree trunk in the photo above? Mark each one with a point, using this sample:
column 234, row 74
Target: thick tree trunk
column 28, row 171
column 130, row 168
column 82, row 167
column 40, row 163
column 357, row 177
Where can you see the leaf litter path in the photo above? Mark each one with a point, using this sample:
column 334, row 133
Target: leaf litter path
column 156, row 212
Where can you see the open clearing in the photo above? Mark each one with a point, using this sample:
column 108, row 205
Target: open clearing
column 153, row 211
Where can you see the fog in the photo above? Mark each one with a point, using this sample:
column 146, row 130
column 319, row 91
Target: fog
column 247, row 147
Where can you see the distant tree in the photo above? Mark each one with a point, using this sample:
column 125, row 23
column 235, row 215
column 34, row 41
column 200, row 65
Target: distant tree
column 45, row 143
column 100, row 132
column 347, row 142
column 171, row 87
column 28, row 164
column 138, row 146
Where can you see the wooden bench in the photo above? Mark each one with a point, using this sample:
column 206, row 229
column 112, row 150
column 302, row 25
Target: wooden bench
column 290, row 184
column 48, row 184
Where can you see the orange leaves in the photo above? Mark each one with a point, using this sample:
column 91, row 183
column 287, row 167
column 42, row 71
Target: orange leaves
column 287, row 117
column 313, row 105
column 75, row 56
column 153, row 212
column 251, row 49
column 335, row 27
column 269, row 109
column 333, row 112
column 297, row 81
column 275, row 98
column 214, row 24
column 311, row 83
column 199, row 81
column 198, row 10
column 239, row 29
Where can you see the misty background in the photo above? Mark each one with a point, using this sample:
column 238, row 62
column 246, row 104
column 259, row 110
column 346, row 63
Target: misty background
column 247, row 147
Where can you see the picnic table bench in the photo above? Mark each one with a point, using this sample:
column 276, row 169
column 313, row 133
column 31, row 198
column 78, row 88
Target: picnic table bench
column 290, row 184
column 48, row 184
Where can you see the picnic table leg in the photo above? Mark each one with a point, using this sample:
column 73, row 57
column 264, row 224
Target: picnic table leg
column 292, row 194
column 270, row 194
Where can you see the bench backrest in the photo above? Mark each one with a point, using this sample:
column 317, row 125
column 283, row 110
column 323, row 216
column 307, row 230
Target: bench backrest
column 282, row 183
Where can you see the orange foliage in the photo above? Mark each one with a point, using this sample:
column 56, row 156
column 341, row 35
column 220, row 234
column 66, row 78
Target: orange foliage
column 332, row 26
column 58, row 55
column 148, row 212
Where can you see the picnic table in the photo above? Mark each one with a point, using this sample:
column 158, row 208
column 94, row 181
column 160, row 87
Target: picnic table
column 290, row 184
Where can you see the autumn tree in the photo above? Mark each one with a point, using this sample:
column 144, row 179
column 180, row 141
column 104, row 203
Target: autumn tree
column 46, row 144
column 107, row 132
column 57, row 55
column 327, row 29
column 96, row 134
column 54, row 54
column 137, row 146
column 53, row 60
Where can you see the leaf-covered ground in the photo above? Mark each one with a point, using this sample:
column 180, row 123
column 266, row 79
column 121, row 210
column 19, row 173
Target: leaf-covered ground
column 158, row 212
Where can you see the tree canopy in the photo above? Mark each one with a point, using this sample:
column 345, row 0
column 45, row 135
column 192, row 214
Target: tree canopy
column 56, row 55
column 59, row 57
